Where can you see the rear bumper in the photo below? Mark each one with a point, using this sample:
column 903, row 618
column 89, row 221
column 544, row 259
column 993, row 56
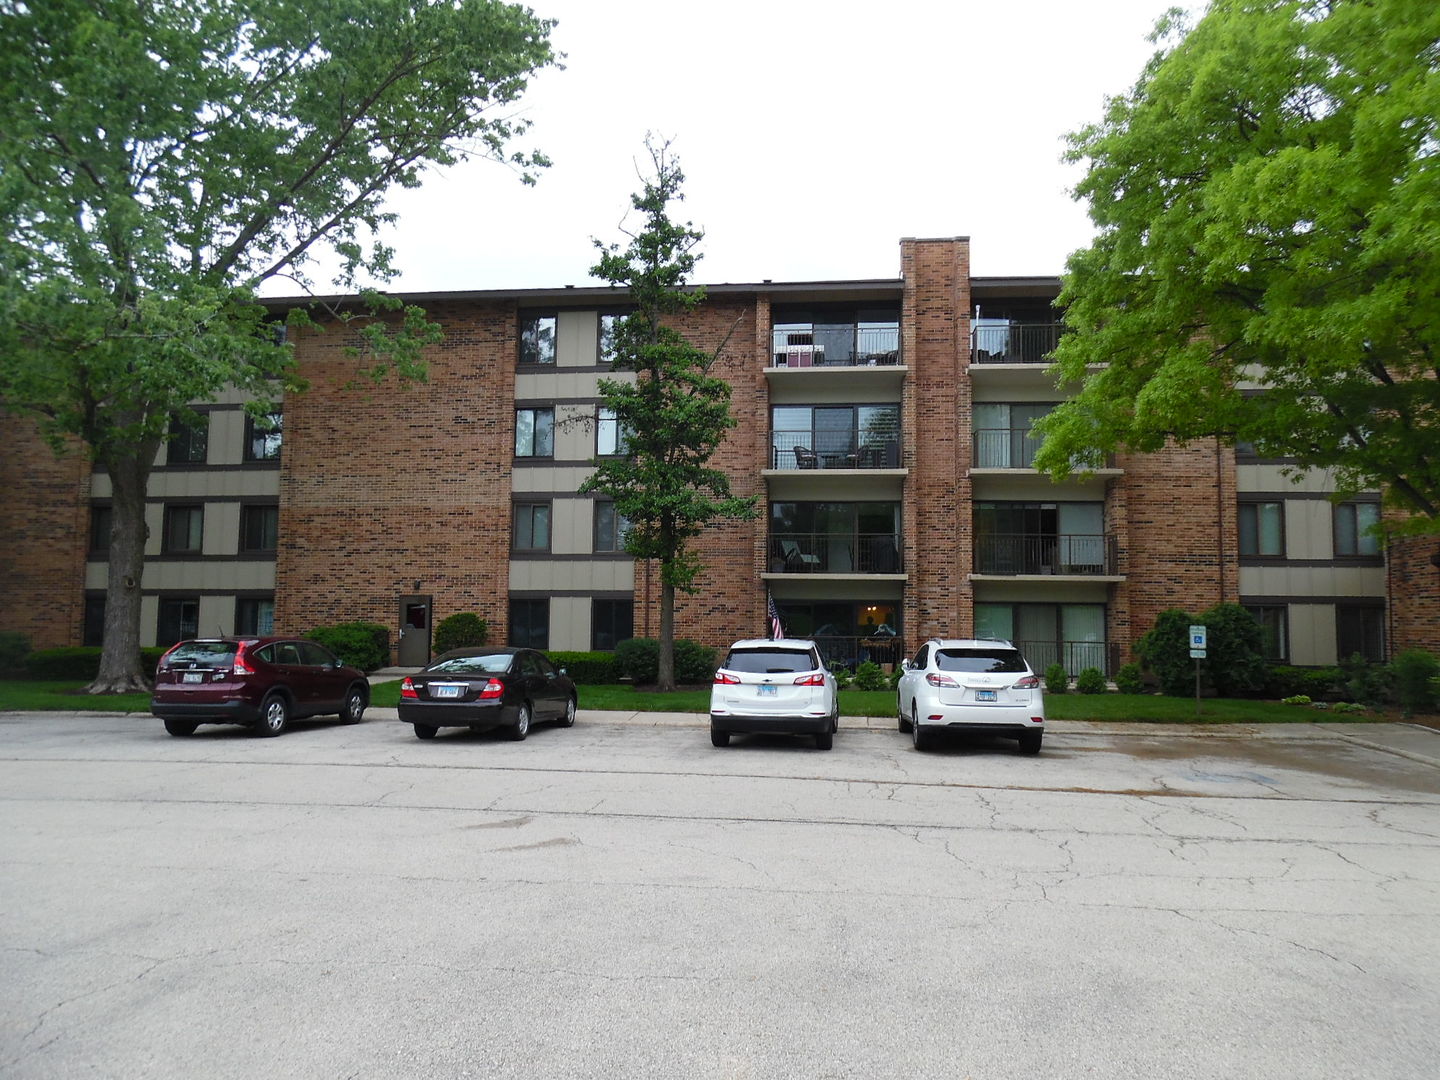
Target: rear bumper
column 210, row 712
column 773, row 725
column 471, row 714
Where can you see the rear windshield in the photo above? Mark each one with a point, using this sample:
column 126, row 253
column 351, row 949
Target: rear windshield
column 204, row 653
column 769, row 661
column 489, row 664
column 979, row 660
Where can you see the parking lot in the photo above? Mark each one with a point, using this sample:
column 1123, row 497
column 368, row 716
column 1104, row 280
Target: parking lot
column 620, row 899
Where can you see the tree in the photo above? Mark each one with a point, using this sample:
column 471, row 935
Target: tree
column 160, row 161
column 675, row 412
column 1265, row 202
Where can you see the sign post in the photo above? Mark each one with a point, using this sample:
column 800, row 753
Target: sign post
column 1197, row 651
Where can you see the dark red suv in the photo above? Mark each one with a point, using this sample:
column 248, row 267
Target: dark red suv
column 262, row 682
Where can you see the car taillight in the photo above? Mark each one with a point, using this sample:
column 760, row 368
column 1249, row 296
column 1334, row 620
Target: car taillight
column 240, row 667
column 407, row 688
column 726, row 678
column 1030, row 682
column 493, row 689
column 940, row 680
column 810, row 680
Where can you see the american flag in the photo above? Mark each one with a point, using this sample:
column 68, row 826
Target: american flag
column 777, row 630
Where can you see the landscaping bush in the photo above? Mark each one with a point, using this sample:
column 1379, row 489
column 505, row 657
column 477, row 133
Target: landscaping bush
column 871, row 676
column 1282, row 681
column 1129, row 680
column 364, row 645
column 1165, row 650
column 694, row 663
column 14, row 647
column 1365, row 682
column 844, row 678
column 1235, row 651
column 1416, row 676
column 1056, row 679
column 590, row 668
column 79, row 663
column 459, row 630
column 639, row 661
column 1091, row 681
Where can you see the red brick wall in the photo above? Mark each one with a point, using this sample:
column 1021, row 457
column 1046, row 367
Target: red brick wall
column 1414, row 594
column 383, row 486
column 45, row 520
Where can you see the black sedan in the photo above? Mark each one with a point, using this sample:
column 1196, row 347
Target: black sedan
column 482, row 687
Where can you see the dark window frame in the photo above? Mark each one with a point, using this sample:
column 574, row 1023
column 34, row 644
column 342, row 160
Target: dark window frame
column 525, row 629
column 615, row 542
column 247, row 510
column 1356, row 531
column 1373, row 631
column 188, row 443
column 1280, row 635
column 613, row 607
column 102, row 524
column 530, row 347
column 536, row 412
column 264, row 444
column 247, row 626
column 1252, row 507
column 172, row 626
column 519, row 509
column 168, row 529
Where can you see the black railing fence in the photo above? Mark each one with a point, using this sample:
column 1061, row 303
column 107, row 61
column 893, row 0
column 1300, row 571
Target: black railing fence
column 1014, row 343
column 835, row 553
column 806, row 448
column 1028, row 553
column 835, row 347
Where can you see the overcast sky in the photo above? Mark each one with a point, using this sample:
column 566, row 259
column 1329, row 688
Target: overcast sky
column 813, row 136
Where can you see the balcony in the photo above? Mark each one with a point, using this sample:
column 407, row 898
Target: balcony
column 1033, row 554
column 1005, row 448
column 848, row 553
column 809, row 449
column 1075, row 655
column 1004, row 342
column 851, row 652
column 835, row 346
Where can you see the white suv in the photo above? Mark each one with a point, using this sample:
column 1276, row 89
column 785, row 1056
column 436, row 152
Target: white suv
column 774, row 686
column 971, row 685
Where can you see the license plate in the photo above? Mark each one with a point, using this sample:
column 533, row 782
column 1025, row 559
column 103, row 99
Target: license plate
column 765, row 690
column 192, row 676
column 447, row 690
column 984, row 695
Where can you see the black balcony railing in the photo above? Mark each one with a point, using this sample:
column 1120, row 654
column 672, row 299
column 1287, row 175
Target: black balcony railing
column 836, row 347
column 1029, row 553
column 1014, row 343
column 809, row 449
column 1005, row 448
column 835, row 553
column 1075, row 655
column 851, row 652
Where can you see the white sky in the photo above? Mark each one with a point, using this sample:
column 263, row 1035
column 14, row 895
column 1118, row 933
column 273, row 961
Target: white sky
column 813, row 136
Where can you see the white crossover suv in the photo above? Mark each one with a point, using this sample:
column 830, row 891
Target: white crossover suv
column 971, row 685
column 776, row 685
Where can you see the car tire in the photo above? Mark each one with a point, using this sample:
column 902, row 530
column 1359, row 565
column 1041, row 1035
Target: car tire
column 825, row 740
column 568, row 718
column 352, row 711
column 719, row 738
column 424, row 731
column 1030, row 742
column 180, row 727
column 518, row 730
column 274, row 715
column 918, row 735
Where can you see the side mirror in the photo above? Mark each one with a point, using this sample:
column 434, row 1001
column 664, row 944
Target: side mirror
column 562, row 671
column 904, row 665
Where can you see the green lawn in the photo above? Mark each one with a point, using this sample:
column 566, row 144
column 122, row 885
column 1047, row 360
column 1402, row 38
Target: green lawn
column 22, row 695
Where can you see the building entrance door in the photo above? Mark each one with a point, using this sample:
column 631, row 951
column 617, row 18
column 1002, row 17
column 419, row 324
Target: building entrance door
column 414, row 648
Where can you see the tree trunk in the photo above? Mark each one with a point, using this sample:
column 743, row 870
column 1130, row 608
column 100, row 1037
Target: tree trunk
column 120, row 668
column 666, row 679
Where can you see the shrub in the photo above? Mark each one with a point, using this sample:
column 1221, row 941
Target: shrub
column 1415, row 673
column 592, row 668
column 1165, row 650
column 893, row 679
column 459, row 630
column 1128, row 679
column 870, row 676
column 694, row 663
column 79, row 662
column 1348, row 707
column 1091, row 681
column 843, row 678
column 638, row 660
column 1365, row 682
column 1235, row 651
column 364, row 645
column 1056, row 679
column 1284, row 681
column 14, row 647
column 1296, row 699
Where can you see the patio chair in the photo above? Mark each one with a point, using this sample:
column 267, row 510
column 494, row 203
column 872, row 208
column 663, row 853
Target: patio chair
column 805, row 458
column 795, row 557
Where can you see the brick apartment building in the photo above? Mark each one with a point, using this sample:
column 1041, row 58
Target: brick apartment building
column 882, row 431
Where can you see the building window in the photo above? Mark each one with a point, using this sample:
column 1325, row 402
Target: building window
column 255, row 616
column 1262, row 528
column 92, row 631
column 179, row 619
column 611, row 622
column 259, row 528
column 609, row 325
column 535, row 433
column 530, row 624
column 184, row 530
column 537, row 339
column 611, row 438
column 1360, row 629
column 835, row 436
column 102, row 522
column 1355, row 523
column 262, row 437
column 1068, row 634
column 532, row 527
column 1002, row 435
column 1274, row 629
column 188, row 441
column 610, row 528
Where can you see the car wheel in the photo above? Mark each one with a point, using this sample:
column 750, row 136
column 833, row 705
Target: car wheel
column 521, row 727
column 424, row 731
column 719, row 738
column 181, row 727
column 825, row 740
column 354, row 708
column 918, row 735
column 274, row 715
column 1030, row 742
column 568, row 720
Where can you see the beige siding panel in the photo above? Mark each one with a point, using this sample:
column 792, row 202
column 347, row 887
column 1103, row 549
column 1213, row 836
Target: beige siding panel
column 1312, row 634
column 570, row 623
column 1030, row 393
column 1308, row 529
column 1358, row 581
column 198, row 577
column 222, row 529
column 572, row 575
column 574, row 432
column 564, row 480
column 570, row 527
column 97, row 575
column 563, row 385
column 155, row 522
column 217, row 615
column 577, row 339
column 236, row 483
column 1061, row 592
column 815, row 392
column 149, row 612
column 227, row 437
column 1273, row 478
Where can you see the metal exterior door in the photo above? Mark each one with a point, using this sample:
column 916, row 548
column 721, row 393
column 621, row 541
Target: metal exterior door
column 414, row 648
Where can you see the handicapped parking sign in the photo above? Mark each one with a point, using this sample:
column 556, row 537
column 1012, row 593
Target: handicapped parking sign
column 1197, row 642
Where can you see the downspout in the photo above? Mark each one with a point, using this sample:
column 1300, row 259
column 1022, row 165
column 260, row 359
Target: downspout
column 1220, row 513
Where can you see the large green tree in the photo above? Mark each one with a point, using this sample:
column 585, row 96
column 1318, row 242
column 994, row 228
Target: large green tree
column 161, row 160
column 1267, row 262
column 675, row 411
